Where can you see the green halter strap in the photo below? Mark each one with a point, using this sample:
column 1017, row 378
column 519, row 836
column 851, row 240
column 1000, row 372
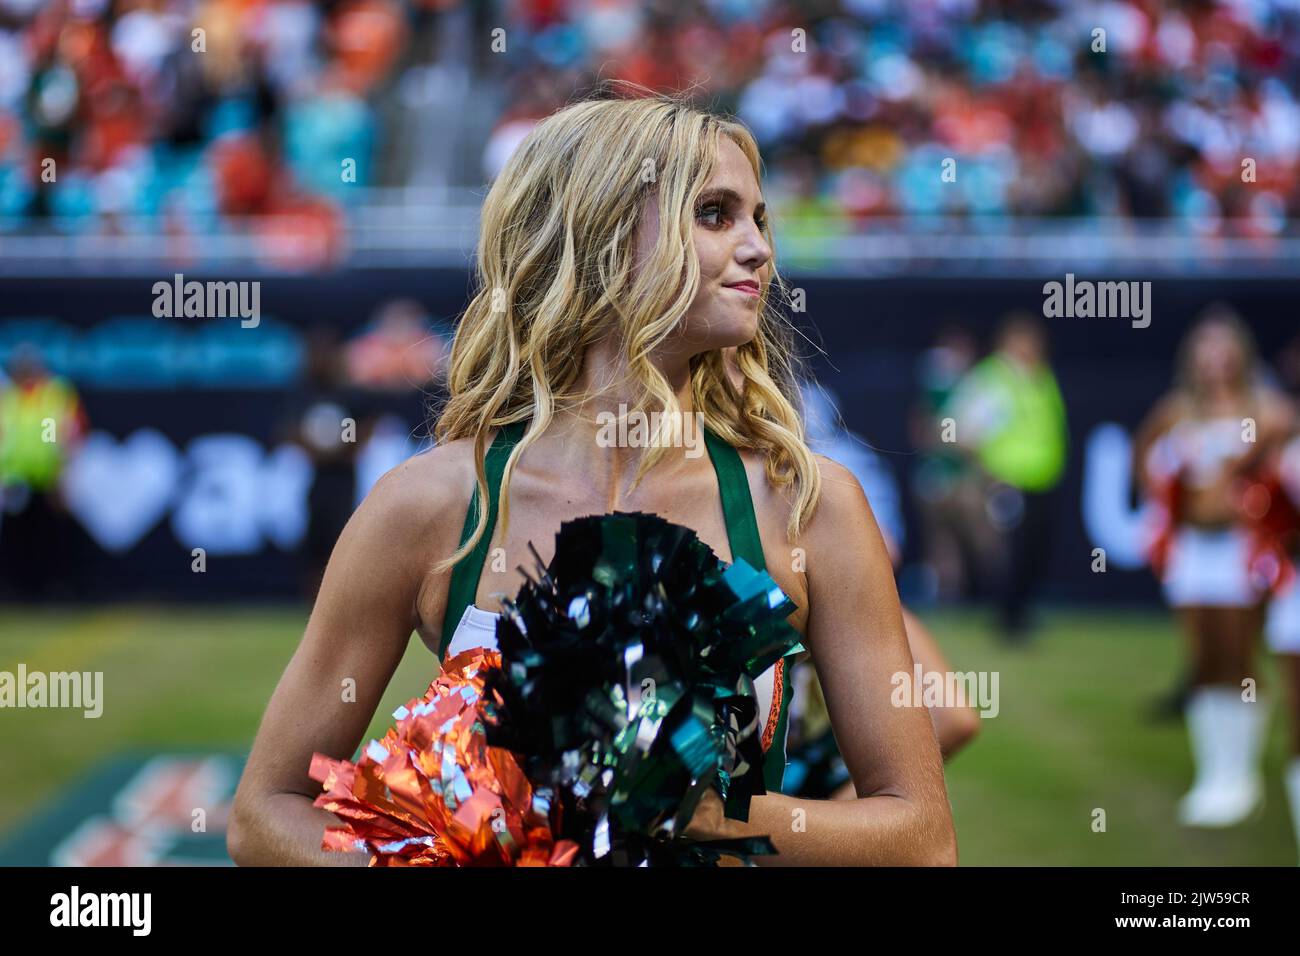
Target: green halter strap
column 737, row 503
column 742, row 534
column 465, row 575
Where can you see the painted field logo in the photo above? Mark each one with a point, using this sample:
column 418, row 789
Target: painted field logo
column 73, row 689
column 1102, row 300
column 976, row 689
column 636, row 429
column 208, row 300
column 75, row 908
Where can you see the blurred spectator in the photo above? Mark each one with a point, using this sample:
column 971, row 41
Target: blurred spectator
column 41, row 424
column 398, row 351
column 960, row 546
column 324, row 420
column 1009, row 415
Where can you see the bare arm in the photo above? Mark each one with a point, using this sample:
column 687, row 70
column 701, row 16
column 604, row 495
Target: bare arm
column 355, row 638
column 1277, row 419
column 1158, row 421
column 955, row 726
column 857, row 639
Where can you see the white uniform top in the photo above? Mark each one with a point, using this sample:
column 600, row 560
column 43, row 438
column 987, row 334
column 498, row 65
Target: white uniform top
column 1201, row 448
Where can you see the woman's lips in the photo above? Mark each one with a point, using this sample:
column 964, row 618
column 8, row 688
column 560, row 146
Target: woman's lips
column 748, row 288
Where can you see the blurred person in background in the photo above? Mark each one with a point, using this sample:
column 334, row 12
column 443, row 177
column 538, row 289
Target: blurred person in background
column 1282, row 624
column 1195, row 455
column 1008, row 415
column 958, row 541
column 397, row 351
column 335, row 416
column 41, row 424
column 325, row 420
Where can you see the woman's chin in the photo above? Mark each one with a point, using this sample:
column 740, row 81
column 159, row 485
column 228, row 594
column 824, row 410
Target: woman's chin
column 734, row 332
column 721, row 332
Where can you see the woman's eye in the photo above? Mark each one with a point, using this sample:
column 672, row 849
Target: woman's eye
column 710, row 215
column 761, row 222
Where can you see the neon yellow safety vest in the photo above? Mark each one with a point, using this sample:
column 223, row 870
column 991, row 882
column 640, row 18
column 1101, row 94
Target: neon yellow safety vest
column 35, row 425
column 1028, row 450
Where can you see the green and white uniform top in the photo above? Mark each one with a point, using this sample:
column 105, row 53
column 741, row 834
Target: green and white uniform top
column 466, row 626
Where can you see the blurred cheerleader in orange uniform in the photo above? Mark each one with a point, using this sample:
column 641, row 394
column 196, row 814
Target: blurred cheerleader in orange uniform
column 1202, row 455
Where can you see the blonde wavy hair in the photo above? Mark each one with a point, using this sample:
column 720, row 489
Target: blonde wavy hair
column 555, row 274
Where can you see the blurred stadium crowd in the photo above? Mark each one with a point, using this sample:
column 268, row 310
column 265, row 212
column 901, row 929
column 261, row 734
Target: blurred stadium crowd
column 1039, row 123
column 183, row 114
column 258, row 113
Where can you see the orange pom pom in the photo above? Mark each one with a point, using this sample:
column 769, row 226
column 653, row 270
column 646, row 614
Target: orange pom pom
column 431, row 792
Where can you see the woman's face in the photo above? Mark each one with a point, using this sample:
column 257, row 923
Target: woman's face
column 735, row 259
column 1217, row 357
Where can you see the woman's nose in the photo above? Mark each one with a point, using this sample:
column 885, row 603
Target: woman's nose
column 753, row 250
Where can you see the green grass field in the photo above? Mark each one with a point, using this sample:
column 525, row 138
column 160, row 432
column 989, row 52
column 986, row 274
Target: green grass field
column 1072, row 734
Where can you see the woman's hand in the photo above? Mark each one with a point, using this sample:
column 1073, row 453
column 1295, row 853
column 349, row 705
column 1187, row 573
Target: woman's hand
column 709, row 822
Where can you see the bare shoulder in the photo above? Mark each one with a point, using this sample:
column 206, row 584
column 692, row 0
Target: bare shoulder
column 841, row 492
column 1277, row 410
column 842, row 510
column 424, row 489
column 412, row 516
column 849, row 572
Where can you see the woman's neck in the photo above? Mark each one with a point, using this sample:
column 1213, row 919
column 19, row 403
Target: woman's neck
column 603, row 438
